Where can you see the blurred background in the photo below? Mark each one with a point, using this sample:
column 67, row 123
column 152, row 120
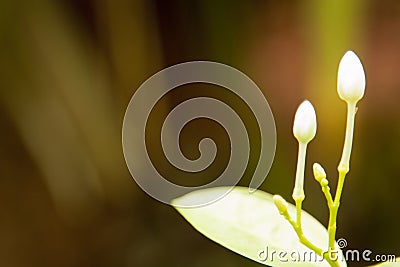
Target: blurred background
column 69, row 68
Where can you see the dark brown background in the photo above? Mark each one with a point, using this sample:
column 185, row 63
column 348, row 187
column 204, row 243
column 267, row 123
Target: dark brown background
column 69, row 68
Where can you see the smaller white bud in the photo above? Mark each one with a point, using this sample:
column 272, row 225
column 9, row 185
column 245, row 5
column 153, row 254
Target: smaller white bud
column 351, row 78
column 280, row 203
column 319, row 172
column 305, row 122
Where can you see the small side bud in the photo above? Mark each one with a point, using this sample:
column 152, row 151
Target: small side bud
column 305, row 122
column 324, row 182
column 280, row 203
column 351, row 78
column 319, row 172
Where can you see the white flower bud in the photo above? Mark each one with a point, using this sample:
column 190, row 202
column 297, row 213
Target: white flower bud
column 351, row 78
column 280, row 203
column 319, row 172
column 305, row 122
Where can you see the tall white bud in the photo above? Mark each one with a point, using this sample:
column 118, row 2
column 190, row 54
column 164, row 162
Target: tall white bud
column 351, row 78
column 305, row 122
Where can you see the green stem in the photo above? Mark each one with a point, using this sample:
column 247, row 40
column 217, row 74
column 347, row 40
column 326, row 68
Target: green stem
column 333, row 211
column 305, row 241
column 298, row 191
column 327, row 192
column 343, row 169
column 348, row 142
column 298, row 196
column 298, row 212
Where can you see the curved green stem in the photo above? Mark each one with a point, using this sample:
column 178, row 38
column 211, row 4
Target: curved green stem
column 298, row 196
column 305, row 241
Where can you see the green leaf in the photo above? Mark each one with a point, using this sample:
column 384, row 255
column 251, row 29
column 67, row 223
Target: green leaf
column 396, row 263
column 248, row 223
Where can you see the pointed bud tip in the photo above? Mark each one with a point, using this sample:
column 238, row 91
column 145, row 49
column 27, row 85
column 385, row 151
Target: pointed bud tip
column 319, row 172
column 351, row 78
column 305, row 122
column 280, row 203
